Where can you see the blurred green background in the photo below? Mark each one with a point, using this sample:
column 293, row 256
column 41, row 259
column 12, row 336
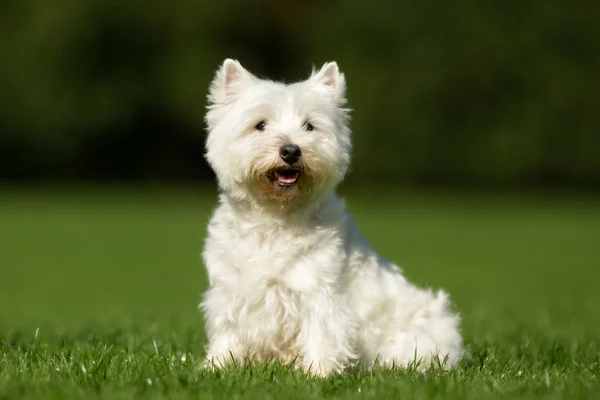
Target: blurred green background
column 471, row 92
column 104, row 192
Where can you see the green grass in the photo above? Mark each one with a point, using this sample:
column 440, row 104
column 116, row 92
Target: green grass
column 98, row 296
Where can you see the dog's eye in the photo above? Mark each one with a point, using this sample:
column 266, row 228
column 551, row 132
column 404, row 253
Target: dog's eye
column 261, row 126
column 308, row 127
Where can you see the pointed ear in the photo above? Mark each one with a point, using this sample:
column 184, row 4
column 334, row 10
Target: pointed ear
column 331, row 79
column 229, row 82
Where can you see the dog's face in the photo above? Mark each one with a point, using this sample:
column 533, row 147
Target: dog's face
column 275, row 143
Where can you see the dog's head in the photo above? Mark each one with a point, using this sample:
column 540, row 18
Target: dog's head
column 276, row 143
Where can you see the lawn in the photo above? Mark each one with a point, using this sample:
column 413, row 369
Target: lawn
column 99, row 288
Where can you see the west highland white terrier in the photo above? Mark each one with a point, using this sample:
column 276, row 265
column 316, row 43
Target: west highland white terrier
column 291, row 278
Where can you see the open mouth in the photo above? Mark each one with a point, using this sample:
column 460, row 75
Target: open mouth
column 285, row 177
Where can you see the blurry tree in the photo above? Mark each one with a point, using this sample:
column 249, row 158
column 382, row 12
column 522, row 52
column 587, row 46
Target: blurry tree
column 471, row 92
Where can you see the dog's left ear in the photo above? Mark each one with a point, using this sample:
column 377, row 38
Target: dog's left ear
column 332, row 80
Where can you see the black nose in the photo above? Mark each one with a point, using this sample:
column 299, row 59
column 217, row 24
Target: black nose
column 290, row 153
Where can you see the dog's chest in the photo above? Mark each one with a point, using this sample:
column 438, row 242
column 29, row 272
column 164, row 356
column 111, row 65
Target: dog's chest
column 279, row 259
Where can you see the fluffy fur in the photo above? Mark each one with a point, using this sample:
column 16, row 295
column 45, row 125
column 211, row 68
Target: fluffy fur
column 291, row 278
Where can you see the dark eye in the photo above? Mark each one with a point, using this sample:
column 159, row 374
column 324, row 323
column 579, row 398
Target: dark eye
column 261, row 126
column 308, row 127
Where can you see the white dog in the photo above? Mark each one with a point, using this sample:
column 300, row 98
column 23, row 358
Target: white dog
column 291, row 278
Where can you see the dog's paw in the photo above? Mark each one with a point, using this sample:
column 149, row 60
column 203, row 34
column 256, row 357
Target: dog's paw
column 320, row 368
column 213, row 363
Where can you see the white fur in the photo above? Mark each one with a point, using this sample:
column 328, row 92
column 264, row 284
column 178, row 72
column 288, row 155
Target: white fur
column 294, row 279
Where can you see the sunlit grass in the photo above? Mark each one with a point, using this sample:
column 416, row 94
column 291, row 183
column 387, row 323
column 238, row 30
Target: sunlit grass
column 98, row 296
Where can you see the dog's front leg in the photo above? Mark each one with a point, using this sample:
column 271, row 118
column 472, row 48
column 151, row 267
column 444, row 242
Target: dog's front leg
column 225, row 344
column 326, row 337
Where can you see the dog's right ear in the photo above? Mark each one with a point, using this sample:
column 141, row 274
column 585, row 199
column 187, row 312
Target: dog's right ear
column 229, row 82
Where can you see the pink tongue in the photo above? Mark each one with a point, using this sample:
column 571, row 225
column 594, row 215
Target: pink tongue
column 287, row 178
